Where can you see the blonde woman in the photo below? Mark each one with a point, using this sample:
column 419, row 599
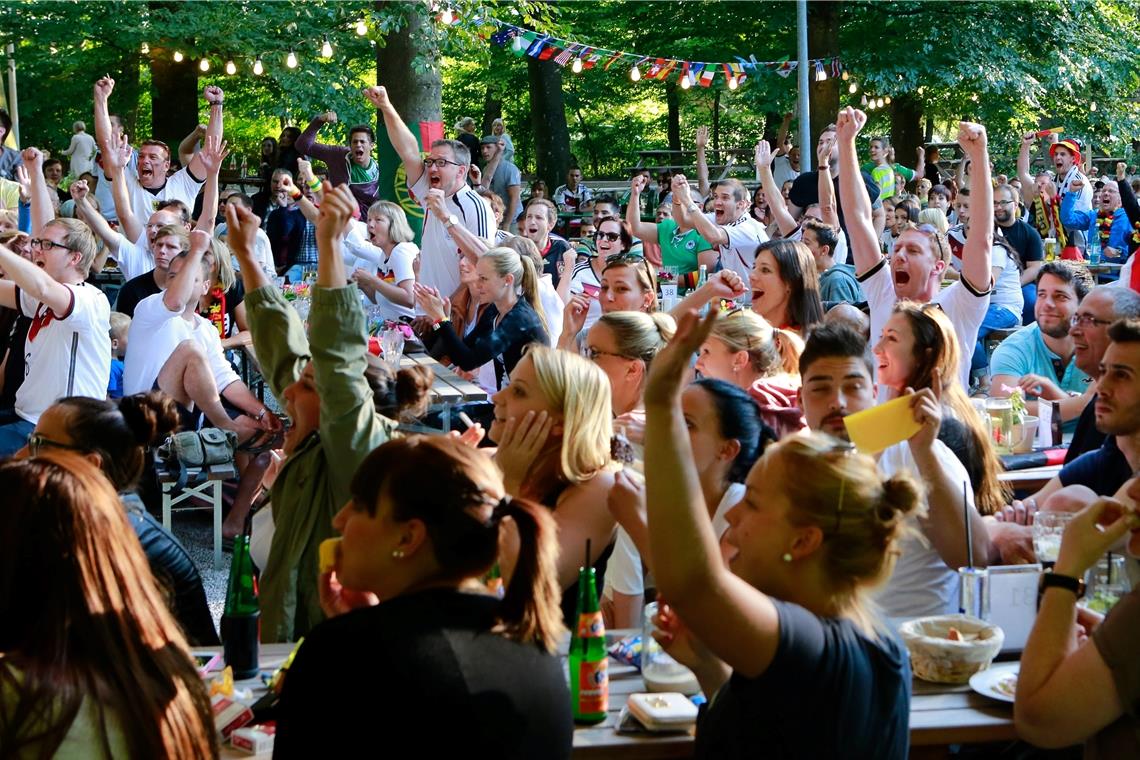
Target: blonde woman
column 745, row 350
column 623, row 343
column 936, row 218
column 224, row 303
column 786, row 620
column 393, row 254
column 513, row 320
column 553, row 426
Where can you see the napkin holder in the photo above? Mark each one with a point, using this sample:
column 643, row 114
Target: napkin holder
column 1004, row 595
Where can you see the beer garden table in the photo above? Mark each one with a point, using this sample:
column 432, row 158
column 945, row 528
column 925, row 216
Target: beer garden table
column 940, row 715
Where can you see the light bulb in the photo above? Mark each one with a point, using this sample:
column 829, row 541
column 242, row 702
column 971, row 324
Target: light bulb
column 921, row 90
column 852, row 88
column 291, row 60
column 145, row 49
column 576, row 67
column 863, row 100
column 733, row 83
column 258, row 69
column 887, row 100
column 326, row 49
column 446, row 17
column 178, row 56
column 879, row 103
column 635, row 73
column 1092, row 106
column 361, row 29
column 686, row 83
column 871, row 105
column 846, row 76
column 231, row 69
column 204, row 65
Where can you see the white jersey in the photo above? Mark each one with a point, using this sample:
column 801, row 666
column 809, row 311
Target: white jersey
column 179, row 186
column 439, row 255
column 67, row 354
column 134, row 258
column 154, row 334
column 921, row 584
column 744, row 236
column 582, row 278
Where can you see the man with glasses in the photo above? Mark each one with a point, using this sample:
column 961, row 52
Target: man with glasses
column 458, row 220
column 914, row 269
column 836, row 369
column 1040, row 358
column 1108, row 221
column 150, row 184
column 68, row 348
column 1024, row 239
column 352, row 165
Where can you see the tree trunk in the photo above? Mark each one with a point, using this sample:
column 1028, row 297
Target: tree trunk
column 174, row 98
column 414, row 91
column 823, row 37
column 492, row 108
column 929, row 136
column 548, row 119
column 906, row 129
column 673, row 102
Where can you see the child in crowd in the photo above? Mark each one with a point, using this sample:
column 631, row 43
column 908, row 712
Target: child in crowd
column 120, row 324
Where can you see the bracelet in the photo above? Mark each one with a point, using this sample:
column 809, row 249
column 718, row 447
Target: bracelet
column 315, row 184
column 295, row 193
column 439, row 323
column 214, row 103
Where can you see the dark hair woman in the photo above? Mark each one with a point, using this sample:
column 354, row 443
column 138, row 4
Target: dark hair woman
column 785, row 286
column 422, row 528
column 92, row 664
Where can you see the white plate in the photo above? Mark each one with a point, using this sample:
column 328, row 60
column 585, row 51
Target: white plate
column 985, row 682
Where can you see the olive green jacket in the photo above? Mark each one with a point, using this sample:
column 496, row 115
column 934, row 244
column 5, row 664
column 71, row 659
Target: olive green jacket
column 313, row 483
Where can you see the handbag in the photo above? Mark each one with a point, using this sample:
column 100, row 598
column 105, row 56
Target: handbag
column 203, row 448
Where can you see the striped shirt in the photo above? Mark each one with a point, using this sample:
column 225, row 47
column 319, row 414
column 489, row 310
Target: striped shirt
column 439, row 254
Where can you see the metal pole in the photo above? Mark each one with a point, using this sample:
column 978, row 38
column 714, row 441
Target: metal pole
column 13, row 104
column 806, row 150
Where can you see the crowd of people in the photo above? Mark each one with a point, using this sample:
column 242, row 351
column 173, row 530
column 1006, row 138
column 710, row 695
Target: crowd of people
column 696, row 440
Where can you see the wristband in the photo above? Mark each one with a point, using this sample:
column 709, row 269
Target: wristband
column 439, row 323
column 214, row 103
column 294, row 192
column 315, row 185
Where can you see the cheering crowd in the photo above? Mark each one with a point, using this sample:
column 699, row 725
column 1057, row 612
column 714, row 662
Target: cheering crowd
column 697, row 442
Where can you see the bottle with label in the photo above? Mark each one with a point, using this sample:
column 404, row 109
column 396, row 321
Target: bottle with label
column 702, row 278
column 241, row 618
column 589, row 681
column 1094, row 249
column 244, row 167
column 1055, row 424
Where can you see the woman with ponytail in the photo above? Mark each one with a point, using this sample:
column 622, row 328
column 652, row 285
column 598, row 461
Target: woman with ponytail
column 786, row 621
column 449, row 670
column 513, row 321
column 745, row 350
column 116, row 437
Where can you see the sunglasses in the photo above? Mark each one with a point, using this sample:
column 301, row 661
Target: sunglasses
column 613, row 237
column 36, row 442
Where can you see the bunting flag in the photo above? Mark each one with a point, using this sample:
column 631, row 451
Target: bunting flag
column 547, row 47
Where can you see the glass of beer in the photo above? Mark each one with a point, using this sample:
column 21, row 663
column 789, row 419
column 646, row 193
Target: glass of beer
column 1000, row 411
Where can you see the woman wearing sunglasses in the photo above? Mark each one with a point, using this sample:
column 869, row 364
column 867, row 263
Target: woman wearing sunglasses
column 613, row 280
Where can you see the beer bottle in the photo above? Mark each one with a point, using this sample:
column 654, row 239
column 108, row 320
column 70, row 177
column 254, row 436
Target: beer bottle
column 241, row 618
column 702, row 278
column 589, row 683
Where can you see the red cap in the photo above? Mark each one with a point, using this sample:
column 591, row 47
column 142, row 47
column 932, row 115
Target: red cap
column 1071, row 144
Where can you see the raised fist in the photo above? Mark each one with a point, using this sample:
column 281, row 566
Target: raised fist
column 104, row 87
column 378, row 96
column 972, row 137
column 78, row 190
column 849, row 123
column 213, row 94
column 329, row 117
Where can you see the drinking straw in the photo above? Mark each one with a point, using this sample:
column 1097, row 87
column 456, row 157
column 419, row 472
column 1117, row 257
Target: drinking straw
column 969, row 530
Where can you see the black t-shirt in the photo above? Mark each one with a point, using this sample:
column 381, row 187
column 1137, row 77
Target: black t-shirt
column 1104, row 470
column 555, row 248
column 829, row 692
column 473, row 144
column 134, row 291
column 1025, row 240
column 1085, row 437
column 436, row 683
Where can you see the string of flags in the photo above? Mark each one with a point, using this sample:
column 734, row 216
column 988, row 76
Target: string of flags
column 580, row 57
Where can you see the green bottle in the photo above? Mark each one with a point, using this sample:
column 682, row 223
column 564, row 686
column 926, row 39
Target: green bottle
column 241, row 618
column 589, row 682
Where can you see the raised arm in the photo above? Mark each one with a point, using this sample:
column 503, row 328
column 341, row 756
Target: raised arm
column 42, row 209
column 103, row 130
column 725, row 284
column 738, row 623
column 710, row 231
column 1127, row 197
column 189, row 142
column 782, row 134
column 115, row 161
column 776, row 202
column 402, row 139
column 646, row 231
column 702, row 141
column 180, row 288
column 853, row 193
column 214, row 97
column 827, row 209
column 980, row 237
column 79, row 193
column 211, row 156
column 1028, row 186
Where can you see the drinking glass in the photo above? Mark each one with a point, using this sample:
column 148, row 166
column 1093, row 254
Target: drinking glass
column 660, row 671
column 1048, row 527
column 301, row 305
column 1108, row 582
column 1000, row 411
column 392, row 348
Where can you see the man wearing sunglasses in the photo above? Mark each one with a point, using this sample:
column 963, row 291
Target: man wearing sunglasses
column 68, row 348
column 457, row 219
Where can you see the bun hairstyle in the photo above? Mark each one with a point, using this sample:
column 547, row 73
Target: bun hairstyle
column 862, row 515
column 638, row 335
column 738, row 418
column 771, row 351
column 403, row 396
column 509, row 261
column 458, row 493
column 121, row 432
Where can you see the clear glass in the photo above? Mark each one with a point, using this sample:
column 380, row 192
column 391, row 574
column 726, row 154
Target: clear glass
column 974, row 592
column 660, row 671
column 1107, row 583
column 1048, row 527
column 1000, row 412
column 392, row 348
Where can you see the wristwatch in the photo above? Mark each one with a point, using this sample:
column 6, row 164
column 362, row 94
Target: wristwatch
column 451, row 221
column 1055, row 580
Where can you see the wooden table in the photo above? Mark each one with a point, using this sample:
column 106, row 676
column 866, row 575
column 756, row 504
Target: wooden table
column 940, row 715
column 447, row 389
column 1030, row 479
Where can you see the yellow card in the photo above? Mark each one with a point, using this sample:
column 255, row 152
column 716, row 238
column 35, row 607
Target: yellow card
column 874, row 429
